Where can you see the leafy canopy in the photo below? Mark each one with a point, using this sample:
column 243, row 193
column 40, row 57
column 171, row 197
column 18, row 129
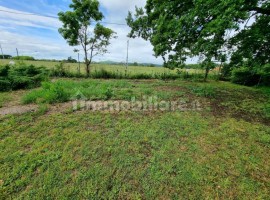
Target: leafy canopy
column 179, row 29
column 76, row 29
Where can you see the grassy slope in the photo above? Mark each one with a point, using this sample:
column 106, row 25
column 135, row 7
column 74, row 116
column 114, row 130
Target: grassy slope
column 220, row 152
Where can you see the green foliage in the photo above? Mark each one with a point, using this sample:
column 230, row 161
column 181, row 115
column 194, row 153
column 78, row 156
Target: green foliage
column 253, row 43
column 23, row 58
column 61, row 71
column 5, row 56
column 109, row 93
column 104, row 74
column 50, row 93
column 76, row 26
column 42, row 109
column 265, row 75
column 21, row 77
column 27, row 76
column 251, row 76
column 204, row 91
column 70, row 60
column 202, row 28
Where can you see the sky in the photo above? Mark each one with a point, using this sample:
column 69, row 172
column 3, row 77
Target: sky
column 38, row 36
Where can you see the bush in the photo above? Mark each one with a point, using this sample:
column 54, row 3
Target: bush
column 21, row 77
column 49, row 93
column 226, row 72
column 245, row 76
column 106, row 74
column 251, row 76
column 265, row 75
column 23, row 58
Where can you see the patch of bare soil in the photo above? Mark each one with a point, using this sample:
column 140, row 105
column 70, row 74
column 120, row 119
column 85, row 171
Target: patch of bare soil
column 59, row 108
column 20, row 109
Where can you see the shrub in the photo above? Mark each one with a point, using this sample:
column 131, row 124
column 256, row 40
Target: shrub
column 226, row 72
column 251, row 76
column 27, row 76
column 245, row 76
column 23, row 58
column 5, row 84
column 108, row 94
column 106, row 74
column 265, row 75
column 49, row 93
column 21, row 77
column 60, row 71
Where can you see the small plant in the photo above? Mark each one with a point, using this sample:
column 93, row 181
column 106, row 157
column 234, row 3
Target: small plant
column 42, row 109
column 109, row 93
column 204, row 91
column 49, row 93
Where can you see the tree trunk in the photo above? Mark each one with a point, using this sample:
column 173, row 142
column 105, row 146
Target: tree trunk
column 87, row 69
column 87, row 64
column 206, row 74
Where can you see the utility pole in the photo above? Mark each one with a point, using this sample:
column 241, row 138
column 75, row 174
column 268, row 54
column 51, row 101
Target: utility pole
column 79, row 63
column 17, row 52
column 2, row 51
column 79, row 67
column 127, row 53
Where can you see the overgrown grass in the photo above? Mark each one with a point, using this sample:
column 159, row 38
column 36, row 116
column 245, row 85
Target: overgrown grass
column 221, row 152
column 66, row 90
column 109, row 74
column 222, row 97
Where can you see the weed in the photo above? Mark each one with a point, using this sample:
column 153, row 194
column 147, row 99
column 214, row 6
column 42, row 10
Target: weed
column 42, row 109
column 204, row 91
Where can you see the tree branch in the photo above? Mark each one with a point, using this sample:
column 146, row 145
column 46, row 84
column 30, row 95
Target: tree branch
column 259, row 10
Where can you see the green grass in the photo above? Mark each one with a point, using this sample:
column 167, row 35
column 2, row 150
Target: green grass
column 4, row 98
column 223, row 96
column 118, row 69
column 96, row 67
column 65, row 90
column 133, row 156
column 220, row 152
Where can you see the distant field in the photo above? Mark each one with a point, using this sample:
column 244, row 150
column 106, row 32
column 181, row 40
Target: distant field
column 73, row 67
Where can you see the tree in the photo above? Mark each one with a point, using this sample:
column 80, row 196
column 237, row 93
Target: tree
column 5, row 56
column 71, row 60
column 76, row 29
column 186, row 28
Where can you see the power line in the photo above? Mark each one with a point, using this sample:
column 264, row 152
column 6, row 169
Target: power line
column 54, row 17
column 20, row 13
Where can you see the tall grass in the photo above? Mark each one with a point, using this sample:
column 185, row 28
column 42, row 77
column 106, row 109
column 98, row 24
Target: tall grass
column 106, row 74
column 63, row 91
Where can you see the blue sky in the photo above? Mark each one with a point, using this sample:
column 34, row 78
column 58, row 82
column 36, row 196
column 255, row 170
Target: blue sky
column 39, row 37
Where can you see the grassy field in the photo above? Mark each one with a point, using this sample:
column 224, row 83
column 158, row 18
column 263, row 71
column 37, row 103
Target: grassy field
column 219, row 152
column 73, row 67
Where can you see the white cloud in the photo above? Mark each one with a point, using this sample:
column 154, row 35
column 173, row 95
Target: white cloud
column 53, row 46
column 26, row 19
